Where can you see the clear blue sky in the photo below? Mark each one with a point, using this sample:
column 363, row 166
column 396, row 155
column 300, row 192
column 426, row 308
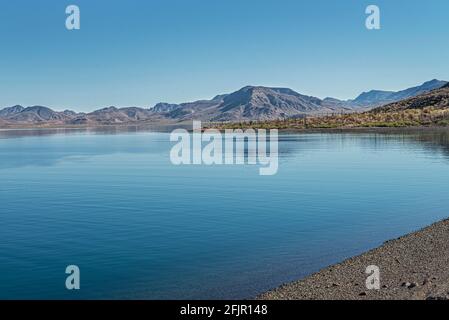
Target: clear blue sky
column 135, row 52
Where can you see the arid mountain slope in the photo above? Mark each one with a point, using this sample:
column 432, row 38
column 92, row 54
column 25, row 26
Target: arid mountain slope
column 437, row 99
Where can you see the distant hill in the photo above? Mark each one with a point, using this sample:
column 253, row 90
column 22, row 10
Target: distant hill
column 115, row 115
column 35, row 114
column 165, row 107
column 250, row 103
column 7, row 112
column 262, row 103
column 377, row 98
column 438, row 99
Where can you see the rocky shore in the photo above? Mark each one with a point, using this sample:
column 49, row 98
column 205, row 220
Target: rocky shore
column 413, row 267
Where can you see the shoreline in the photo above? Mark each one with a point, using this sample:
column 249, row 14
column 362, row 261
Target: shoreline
column 412, row 267
column 206, row 125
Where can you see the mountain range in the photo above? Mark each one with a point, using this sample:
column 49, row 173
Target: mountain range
column 251, row 103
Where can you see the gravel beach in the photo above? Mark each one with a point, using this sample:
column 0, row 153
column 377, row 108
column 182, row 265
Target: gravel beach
column 413, row 267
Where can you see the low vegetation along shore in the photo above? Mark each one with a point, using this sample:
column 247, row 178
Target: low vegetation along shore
column 427, row 117
column 413, row 267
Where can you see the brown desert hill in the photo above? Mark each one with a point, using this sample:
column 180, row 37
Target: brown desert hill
column 377, row 98
column 437, row 99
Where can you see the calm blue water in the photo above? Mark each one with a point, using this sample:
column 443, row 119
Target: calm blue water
column 139, row 227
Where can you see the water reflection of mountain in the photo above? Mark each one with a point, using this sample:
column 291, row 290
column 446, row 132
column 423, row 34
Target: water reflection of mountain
column 432, row 141
column 19, row 133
